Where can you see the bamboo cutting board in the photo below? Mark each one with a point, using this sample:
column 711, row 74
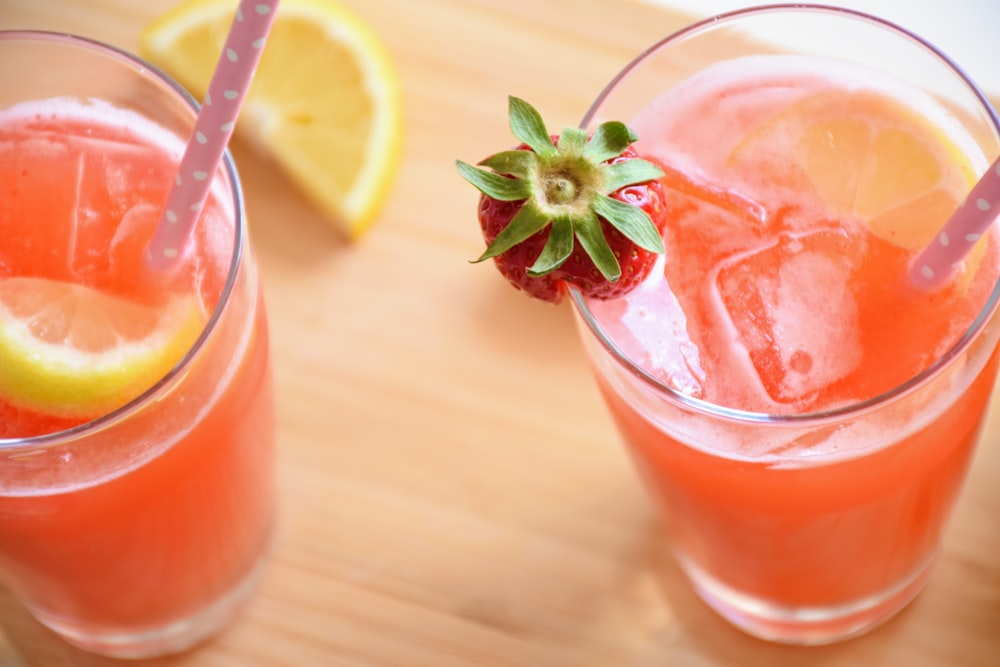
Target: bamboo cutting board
column 453, row 493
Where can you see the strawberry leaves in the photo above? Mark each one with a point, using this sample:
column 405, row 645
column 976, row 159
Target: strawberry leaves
column 566, row 187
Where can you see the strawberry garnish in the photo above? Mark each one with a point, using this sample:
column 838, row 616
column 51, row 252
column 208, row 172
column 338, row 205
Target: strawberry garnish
column 571, row 208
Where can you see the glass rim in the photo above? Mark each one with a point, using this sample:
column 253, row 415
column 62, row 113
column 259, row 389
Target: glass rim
column 853, row 408
column 235, row 190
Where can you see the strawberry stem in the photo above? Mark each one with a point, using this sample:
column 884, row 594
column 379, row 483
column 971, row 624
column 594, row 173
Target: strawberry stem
column 560, row 190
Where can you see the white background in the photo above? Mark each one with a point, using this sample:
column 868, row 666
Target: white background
column 967, row 30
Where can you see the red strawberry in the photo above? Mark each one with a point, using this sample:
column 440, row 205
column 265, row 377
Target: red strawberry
column 539, row 199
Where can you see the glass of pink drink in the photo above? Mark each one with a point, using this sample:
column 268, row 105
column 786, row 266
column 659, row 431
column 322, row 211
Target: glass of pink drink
column 132, row 529
column 801, row 413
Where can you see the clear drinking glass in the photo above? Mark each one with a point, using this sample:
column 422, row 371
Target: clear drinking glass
column 801, row 527
column 138, row 532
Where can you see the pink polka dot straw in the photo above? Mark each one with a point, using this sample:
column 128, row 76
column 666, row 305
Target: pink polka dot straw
column 212, row 131
column 938, row 261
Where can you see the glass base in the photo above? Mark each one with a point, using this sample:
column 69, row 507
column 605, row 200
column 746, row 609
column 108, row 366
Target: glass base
column 176, row 637
column 806, row 626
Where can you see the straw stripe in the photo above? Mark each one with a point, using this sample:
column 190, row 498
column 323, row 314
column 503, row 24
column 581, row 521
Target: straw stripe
column 212, row 130
column 941, row 258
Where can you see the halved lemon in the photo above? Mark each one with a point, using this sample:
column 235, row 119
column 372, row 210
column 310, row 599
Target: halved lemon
column 68, row 350
column 325, row 100
column 865, row 155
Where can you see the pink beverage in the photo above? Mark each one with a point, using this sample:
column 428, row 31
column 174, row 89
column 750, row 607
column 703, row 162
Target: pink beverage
column 131, row 524
column 803, row 414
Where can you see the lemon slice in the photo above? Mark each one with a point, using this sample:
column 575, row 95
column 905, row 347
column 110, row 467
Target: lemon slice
column 864, row 155
column 71, row 351
column 325, row 100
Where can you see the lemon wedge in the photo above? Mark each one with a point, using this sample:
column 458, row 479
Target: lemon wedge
column 68, row 350
column 325, row 101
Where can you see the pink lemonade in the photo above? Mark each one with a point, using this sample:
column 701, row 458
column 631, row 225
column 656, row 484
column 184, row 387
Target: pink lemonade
column 798, row 192
column 159, row 516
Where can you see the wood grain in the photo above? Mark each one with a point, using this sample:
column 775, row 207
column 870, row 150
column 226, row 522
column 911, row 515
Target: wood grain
column 453, row 493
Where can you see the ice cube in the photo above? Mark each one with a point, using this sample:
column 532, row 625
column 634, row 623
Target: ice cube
column 113, row 178
column 650, row 327
column 792, row 307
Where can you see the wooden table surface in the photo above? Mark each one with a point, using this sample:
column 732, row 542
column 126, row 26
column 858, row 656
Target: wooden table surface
column 452, row 491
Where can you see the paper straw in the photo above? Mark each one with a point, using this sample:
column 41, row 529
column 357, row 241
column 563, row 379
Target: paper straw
column 212, row 130
column 938, row 261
